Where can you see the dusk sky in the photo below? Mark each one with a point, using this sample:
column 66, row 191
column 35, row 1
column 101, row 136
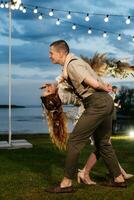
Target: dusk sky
column 31, row 38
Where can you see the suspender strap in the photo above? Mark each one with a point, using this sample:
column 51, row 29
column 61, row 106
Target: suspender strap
column 70, row 82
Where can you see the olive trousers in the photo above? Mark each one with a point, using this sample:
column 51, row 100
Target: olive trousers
column 96, row 120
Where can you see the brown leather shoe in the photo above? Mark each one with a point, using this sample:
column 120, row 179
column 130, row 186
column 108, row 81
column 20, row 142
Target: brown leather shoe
column 112, row 183
column 58, row 189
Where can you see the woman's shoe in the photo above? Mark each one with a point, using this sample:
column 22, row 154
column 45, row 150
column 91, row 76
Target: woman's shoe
column 84, row 178
column 128, row 176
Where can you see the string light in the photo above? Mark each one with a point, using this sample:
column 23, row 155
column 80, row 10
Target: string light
column 89, row 31
column 58, row 22
column 119, row 37
column 35, row 10
column 6, row 5
column 1, row 4
column 24, row 10
column 128, row 21
column 17, row 6
column 106, row 19
column 69, row 15
column 51, row 13
column 76, row 12
column 74, row 27
column 21, row 7
column 87, row 18
column 12, row 6
column 104, row 34
column 40, row 17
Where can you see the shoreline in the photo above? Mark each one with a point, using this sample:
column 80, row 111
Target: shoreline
column 12, row 106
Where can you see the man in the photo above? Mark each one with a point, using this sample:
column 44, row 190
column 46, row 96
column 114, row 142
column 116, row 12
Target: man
column 95, row 120
column 116, row 106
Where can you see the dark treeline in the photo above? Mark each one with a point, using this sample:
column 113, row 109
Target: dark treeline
column 12, row 106
column 126, row 97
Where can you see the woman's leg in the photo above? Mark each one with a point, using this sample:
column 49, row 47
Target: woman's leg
column 90, row 163
column 84, row 173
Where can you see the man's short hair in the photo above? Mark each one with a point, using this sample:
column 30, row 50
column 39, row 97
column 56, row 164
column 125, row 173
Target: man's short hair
column 61, row 45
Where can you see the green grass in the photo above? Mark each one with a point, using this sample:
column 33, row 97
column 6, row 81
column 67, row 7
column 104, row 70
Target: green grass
column 26, row 173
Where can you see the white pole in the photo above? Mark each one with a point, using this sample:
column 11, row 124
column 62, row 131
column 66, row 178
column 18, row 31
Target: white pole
column 10, row 74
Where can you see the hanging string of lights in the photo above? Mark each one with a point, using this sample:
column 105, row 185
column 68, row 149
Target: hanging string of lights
column 52, row 13
column 52, row 10
column 87, row 15
column 74, row 26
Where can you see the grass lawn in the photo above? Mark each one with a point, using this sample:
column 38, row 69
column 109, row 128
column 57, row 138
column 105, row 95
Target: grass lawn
column 26, row 173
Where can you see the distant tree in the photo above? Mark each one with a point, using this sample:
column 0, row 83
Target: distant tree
column 126, row 97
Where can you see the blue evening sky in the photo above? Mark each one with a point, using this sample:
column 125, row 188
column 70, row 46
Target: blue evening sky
column 31, row 38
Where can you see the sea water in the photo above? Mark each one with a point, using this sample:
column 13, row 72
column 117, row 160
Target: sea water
column 27, row 120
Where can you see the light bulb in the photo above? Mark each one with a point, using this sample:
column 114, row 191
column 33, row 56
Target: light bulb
column 40, row 17
column 104, row 34
column 58, row 22
column 69, row 15
column 17, row 6
column 2, row 4
column 106, row 19
column 12, row 6
column 24, row 10
column 21, row 7
column 51, row 13
column 128, row 20
column 89, row 31
column 74, row 27
column 87, row 18
column 6, row 5
column 119, row 37
column 35, row 10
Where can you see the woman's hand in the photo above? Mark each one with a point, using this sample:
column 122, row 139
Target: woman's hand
column 50, row 88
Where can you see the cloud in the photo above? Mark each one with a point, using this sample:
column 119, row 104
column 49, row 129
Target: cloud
column 93, row 44
column 25, row 83
column 129, row 32
column 31, row 38
column 21, row 74
column 36, row 73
